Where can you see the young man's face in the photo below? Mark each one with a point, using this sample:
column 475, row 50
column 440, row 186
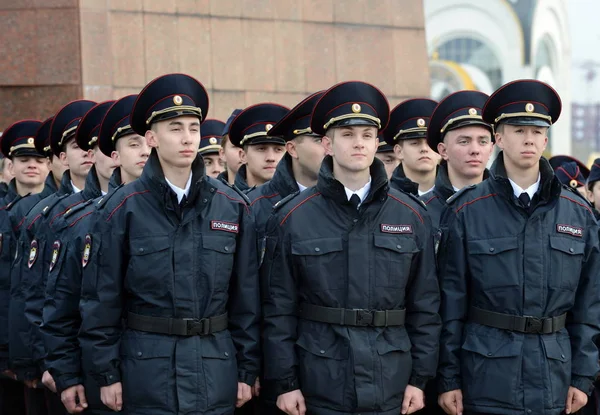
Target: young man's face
column 78, row 162
column 57, row 167
column 353, row 148
column 30, row 171
column 232, row 156
column 390, row 161
column 261, row 160
column 593, row 194
column 467, row 150
column 176, row 140
column 213, row 164
column 308, row 151
column 416, row 155
column 523, row 145
column 131, row 154
column 104, row 165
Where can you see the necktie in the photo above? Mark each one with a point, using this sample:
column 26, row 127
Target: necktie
column 355, row 200
column 524, row 199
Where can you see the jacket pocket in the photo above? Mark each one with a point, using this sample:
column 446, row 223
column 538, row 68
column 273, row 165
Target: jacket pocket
column 147, row 371
column 492, row 262
column 393, row 348
column 491, row 369
column 219, row 366
column 323, row 369
column 321, row 262
column 217, row 256
column 150, row 263
column 393, row 258
column 566, row 258
column 558, row 353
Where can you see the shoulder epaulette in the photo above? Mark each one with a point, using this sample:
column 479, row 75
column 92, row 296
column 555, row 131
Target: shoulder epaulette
column 13, row 202
column 286, row 199
column 576, row 193
column 455, row 196
column 416, row 199
column 78, row 207
column 244, row 196
column 53, row 203
column 102, row 201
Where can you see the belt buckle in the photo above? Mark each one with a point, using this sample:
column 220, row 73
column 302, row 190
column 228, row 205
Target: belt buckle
column 533, row 324
column 363, row 317
column 197, row 327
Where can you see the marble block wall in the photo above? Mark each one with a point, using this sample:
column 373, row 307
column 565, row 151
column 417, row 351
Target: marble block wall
column 243, row 51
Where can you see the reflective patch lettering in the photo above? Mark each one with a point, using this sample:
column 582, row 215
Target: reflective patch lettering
column 216, row 225
column 570, row 230
column 396, row 228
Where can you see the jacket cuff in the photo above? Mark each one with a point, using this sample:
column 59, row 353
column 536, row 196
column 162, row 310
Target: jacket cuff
column 108, row 378
column 286, row 385
column 447, row 385
column 584, row 384
column 66, row 381
column 418, row 381
column 247, row 378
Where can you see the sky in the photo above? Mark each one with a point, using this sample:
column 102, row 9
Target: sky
column 585, row 48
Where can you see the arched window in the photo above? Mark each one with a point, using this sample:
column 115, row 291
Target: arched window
column 465, row 50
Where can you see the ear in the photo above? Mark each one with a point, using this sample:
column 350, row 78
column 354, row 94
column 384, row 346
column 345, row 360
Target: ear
column 92, row 155
column 63, row 159
column 442, row 150
column 290, row 147
column 10, row 166
column 242, row 154
column 398, row 152
column 498, row 140
column 327, row 143
column 151, row 139
column 115, row 157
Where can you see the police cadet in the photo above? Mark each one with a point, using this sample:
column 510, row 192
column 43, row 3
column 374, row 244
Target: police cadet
column 388, row 157
column 231, row 155
column 174, row 253
column 350, row 293
column 61, row 318
column 592, row 188
column 261, row 152
column 33, row 284
column 299, row 167
column 406, row 134
column 25, row 344
column 30, row 169
column 570, row 172
column 57, row 169
column 519, row 275
column 459, row 134
column 117, row 140
column 210, row 145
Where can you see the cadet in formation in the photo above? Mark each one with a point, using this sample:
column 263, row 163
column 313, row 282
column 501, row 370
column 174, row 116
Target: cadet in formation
column 350, row 298
column 210, row 147
column 174, row 253
column 465, row 143
column 231, row 155
column 406, row 134
column 518, row 273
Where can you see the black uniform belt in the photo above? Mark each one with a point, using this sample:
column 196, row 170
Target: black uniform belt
column 521, row 324
column 352, row 317
column 177, row 326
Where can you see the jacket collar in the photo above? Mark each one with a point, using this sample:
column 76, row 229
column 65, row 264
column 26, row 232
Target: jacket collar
column 402, row 182
column 115, row 179
column 330, row 187
column 92, row 189
column 283, row 180
column 550, row 187
column 65, row 184
column 241, row 181
column 154, row 177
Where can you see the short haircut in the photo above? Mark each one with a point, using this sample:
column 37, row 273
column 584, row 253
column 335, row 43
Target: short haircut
column 224, row 140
